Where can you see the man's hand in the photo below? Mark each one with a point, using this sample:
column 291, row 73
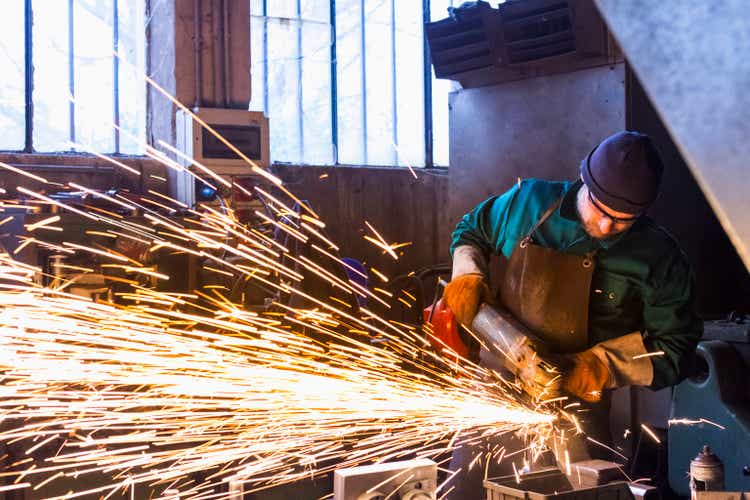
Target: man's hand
column 535, row 373
column 464, row 294
column 585, row 376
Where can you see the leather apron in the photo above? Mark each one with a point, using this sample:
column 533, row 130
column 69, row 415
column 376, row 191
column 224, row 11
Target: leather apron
column 548, row 291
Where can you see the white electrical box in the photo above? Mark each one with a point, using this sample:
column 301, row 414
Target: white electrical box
column 407, row 480
column 245, row 130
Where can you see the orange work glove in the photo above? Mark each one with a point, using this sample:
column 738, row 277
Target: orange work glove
column 586, row 376
column 464, row 294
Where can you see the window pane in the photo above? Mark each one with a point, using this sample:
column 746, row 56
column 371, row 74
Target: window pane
column 349, row 77
column 379, row 88
column 51, row 96
column 256, row 7
column 282, row 8
column 410, row 84
column 257, row 63
column 12, row 94
column 316, row 10
column 284, row 90
column 132, row 61
column 440, row 148
column 300, row 117
column 440, row 90
column 316, row 93
column 94, row 78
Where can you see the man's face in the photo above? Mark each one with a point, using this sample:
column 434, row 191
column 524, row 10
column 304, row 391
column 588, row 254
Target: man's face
column 598, row 220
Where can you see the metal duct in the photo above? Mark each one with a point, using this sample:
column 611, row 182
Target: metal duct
column 691, row 58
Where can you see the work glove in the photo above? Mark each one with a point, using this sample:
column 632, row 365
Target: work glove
column 464, row 294
column 584, row 375
column 616, row 362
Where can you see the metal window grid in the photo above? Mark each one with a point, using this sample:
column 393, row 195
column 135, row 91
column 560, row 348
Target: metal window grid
column 29, row 73
column 427, row 80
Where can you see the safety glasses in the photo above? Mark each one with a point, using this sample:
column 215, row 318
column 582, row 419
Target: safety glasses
column 617, row 220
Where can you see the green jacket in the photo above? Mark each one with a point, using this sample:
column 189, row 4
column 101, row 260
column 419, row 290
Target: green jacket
column 642, row 280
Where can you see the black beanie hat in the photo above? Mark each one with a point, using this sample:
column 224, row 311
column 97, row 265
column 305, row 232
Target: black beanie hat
column 624, row 172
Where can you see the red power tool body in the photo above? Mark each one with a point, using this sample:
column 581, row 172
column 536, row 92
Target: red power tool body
column 444, row 329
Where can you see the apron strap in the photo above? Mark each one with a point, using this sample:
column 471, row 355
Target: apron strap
column 546, row 215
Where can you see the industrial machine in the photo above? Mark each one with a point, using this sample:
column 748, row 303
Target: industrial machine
column 713, row 407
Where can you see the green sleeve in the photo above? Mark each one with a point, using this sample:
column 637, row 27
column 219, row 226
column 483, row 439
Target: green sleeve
column 671, row 323
column 486, row 226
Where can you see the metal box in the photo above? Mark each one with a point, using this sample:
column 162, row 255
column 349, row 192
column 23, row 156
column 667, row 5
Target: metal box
column 246, row 130
column 551, row 483
column 407, row 480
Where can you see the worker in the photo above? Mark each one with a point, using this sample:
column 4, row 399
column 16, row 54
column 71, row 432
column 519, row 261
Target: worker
column 604, row 287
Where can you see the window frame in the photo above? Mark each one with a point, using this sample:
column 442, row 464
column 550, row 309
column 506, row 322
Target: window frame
column 71, row 154
column 427, row 93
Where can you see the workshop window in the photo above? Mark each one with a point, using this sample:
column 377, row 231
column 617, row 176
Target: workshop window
column 63, row 87
column 343, row 82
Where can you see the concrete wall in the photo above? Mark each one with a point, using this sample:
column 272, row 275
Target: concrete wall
column 160, row 64
column 541, row 127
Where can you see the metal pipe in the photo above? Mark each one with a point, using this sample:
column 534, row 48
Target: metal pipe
column 334, row 83
column 28, row 77
column 513, row 345
column 497, row 332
